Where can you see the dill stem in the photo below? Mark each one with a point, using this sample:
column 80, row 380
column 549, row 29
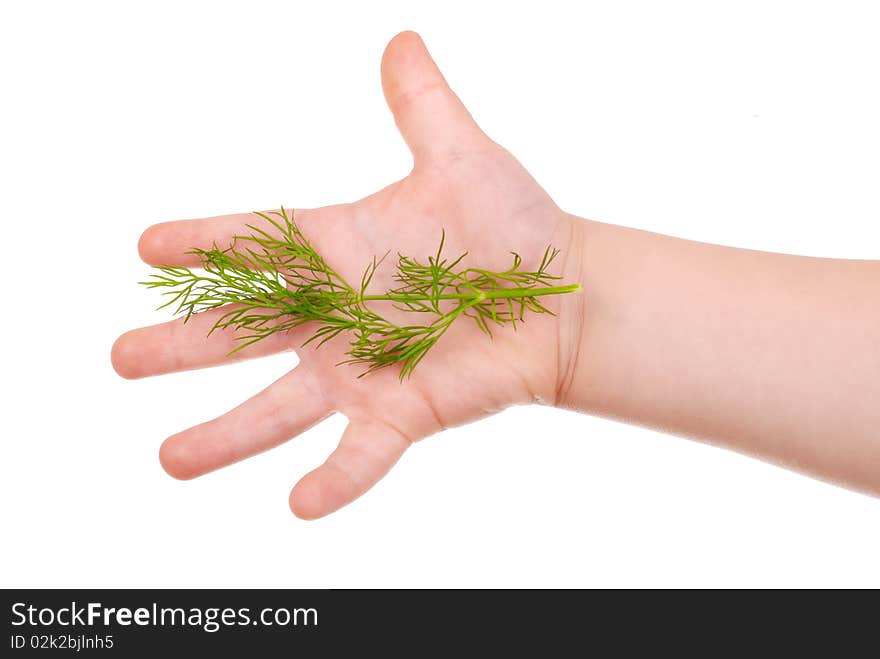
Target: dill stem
column 502, row 294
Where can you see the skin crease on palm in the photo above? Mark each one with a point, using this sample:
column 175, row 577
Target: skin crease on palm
column 488, row 205
column 773, row 355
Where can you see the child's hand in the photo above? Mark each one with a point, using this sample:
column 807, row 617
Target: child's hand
column 461, row 182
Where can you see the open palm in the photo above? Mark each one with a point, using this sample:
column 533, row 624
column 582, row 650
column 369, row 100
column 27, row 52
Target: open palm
column 461, row 182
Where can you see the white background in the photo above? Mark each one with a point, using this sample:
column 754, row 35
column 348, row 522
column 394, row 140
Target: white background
column 750, row 124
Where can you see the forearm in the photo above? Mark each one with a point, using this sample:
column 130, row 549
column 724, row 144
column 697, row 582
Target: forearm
column 770, row 354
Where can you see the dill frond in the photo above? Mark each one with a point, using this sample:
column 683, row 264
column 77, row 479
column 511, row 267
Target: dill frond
column 275, row 282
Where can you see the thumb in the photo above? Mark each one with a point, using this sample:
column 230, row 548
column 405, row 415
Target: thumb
column 429, row 115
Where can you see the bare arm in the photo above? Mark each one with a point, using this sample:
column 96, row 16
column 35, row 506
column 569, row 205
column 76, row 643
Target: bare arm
column 769, row 354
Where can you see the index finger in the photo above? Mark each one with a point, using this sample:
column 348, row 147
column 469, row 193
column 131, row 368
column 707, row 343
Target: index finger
column 167, row 243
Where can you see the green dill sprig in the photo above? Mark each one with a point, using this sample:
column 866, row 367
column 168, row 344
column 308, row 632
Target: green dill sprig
column 275, row 282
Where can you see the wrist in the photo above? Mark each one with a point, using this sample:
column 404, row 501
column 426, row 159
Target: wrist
column 572, row 309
